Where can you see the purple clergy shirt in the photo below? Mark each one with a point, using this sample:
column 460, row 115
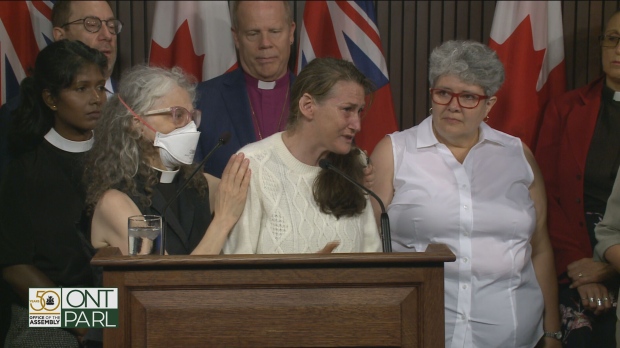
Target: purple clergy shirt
column 269, row 107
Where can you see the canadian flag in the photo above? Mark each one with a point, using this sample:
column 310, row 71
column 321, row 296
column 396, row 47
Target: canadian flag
column 527, row 36
column 348, row 30
column 194, row 35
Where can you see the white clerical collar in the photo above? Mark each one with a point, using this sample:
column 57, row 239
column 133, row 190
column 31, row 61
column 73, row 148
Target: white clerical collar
column 616, row 96
column 266, row 85
column 58, row 141
column 166, row 176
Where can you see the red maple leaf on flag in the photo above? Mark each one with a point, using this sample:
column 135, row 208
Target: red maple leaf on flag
column 518, row 95
column 180, row 53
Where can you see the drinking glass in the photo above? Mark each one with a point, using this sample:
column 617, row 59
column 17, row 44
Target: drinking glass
column 144, row 235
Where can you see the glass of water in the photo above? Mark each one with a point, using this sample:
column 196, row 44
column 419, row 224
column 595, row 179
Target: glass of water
column 144, row 235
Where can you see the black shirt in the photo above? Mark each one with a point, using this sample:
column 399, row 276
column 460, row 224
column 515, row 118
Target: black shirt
column 602, row 161
column 187, row 218
column 41, row 201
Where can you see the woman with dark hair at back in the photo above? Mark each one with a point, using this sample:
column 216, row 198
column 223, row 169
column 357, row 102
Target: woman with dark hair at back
column 578, row 150
column 41, row 195
column 294, row 206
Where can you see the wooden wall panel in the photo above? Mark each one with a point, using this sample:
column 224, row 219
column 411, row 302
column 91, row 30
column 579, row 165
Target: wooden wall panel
column 395, row 60
column 409, row 31
column 595, row 12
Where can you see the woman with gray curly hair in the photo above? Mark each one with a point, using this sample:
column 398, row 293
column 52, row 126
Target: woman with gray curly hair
column 143, row 155
column 454, row 180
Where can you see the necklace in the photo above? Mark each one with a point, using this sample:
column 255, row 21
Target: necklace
column 255, row 119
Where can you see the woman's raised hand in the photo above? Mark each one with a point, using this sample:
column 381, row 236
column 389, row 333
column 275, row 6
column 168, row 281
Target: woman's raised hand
column 233, row 188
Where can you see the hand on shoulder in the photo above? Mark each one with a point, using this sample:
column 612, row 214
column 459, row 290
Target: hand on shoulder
column 232, row 189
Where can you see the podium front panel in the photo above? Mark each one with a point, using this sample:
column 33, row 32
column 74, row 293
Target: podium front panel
column 369, row 300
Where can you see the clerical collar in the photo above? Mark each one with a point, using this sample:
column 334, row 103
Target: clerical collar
column 166, row 176
column 252, row 81
column 58, row 141
column 610, row 94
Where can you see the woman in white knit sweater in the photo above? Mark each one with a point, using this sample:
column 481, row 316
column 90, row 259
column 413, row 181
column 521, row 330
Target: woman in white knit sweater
column 294, row 206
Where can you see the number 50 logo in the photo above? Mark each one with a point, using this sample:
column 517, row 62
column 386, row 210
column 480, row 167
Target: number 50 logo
column 45, row 301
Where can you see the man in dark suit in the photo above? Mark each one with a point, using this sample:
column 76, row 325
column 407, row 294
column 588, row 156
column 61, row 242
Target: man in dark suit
column 91, row 22
column 251, row 102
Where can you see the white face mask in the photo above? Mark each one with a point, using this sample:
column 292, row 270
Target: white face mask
column 179, row 146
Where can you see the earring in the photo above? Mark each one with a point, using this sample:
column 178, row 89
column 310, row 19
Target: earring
column 430, row 111
column 53, row 107
column 486, row 119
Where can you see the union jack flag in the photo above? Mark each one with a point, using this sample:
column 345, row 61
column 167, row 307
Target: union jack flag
column 348, row 30
column 25, row 28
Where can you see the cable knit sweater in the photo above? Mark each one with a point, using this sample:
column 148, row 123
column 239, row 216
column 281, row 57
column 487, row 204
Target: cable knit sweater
column 281, row 215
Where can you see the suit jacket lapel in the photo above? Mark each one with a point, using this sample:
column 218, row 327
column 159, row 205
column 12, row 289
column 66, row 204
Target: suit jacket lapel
column 237, row 102
column 582, row 121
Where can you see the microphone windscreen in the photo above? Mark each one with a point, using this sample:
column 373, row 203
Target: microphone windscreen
column 323, row 163
column 225, row 137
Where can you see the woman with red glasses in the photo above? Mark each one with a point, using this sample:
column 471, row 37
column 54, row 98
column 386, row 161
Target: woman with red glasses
column 454, row 180
column 144, row 156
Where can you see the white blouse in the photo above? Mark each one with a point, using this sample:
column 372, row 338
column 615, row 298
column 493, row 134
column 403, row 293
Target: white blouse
column 483, row 211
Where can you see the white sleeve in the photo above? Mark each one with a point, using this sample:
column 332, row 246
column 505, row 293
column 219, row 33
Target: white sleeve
column 243, row 239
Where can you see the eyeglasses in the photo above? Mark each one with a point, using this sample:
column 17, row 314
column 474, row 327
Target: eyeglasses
column 180, row 115
column 609, row 40
column 466, row 100
column 93, row 24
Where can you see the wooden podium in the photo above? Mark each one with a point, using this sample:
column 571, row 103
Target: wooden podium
column 301, row 300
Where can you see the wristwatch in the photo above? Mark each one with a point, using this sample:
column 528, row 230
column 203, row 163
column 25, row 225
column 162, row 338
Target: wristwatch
column 557, row 335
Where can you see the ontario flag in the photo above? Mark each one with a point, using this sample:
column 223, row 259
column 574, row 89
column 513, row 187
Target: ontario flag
column 25, row 29
column 348, row 30
column 194, row 35
column 527, row 36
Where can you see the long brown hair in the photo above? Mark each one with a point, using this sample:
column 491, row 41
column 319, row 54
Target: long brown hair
column 334, row 194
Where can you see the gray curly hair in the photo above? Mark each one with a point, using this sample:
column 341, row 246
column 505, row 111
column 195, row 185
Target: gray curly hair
column 470, row 61
column 120, row 152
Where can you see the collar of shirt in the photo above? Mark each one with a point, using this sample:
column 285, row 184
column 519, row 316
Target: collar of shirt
column 109, row 91
column 68, row 145
column 166, row 176
column 609, row 94
column 426, row 137
column 256, row 83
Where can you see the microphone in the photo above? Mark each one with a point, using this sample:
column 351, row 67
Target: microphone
column 385, row 220
column 224, row 138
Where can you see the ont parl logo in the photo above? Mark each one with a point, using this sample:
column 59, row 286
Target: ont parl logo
column 73, row 307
